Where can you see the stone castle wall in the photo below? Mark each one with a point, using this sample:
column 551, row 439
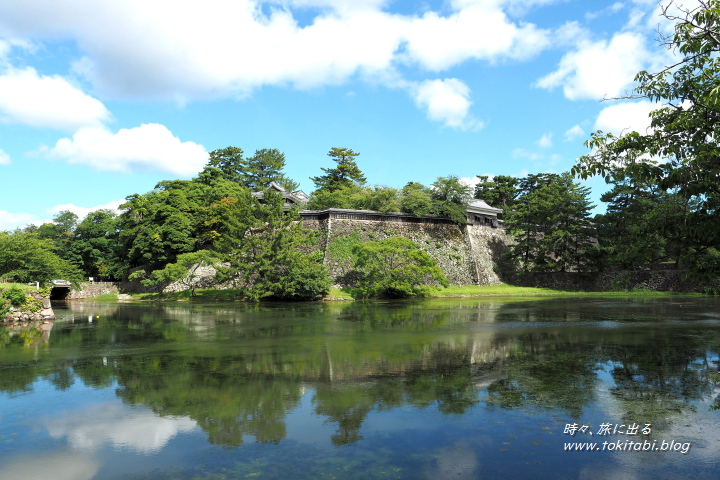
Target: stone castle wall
column 613, row 281
column 466, row 254
column 92, row 290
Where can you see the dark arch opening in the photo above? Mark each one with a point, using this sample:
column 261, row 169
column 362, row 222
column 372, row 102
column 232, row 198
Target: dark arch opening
column 59, row 293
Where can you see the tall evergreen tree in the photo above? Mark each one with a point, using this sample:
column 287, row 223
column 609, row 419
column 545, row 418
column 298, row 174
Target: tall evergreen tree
column 643, row 225
column 229, row 162
column 551, row 225
column 345, row 174
column 266, row 250
column 500, row 192
column 265, row 167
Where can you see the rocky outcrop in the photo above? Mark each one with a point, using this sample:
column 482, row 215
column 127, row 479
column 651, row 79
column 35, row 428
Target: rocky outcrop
column 36, row 309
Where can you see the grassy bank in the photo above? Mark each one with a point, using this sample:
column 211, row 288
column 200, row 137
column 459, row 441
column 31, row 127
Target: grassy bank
column 21, row 286
column 504, row 290
column 337, row 294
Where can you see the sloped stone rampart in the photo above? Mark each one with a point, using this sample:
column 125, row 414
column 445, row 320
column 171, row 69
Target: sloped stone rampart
column 466, row 254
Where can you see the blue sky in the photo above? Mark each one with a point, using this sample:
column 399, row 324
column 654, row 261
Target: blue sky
column 103, row 99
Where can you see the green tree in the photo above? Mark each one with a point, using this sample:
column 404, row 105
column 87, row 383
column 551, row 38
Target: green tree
column 227, row 162
column 345, row 174
column 175, row 218
column 62, row 232
column 417, row 199
column 94, row 243
column 643, row 225
column 267, row 251
column 551, row 226
column 395, row 268
column 265, row 167
column 25, row 257
column 378, row 198
column 450, row 198
column 500, row 192
column 679, row 153
column 184, row 270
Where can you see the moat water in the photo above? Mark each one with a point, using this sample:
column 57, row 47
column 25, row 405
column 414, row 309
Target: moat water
column 436, row 389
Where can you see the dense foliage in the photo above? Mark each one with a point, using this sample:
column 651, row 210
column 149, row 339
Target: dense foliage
column 679, row 155
column 395, row 268
column 25, row 257
column 345, row 174
column 265, row 249
column 550, row 222
column 500, row 192
column 640, row 227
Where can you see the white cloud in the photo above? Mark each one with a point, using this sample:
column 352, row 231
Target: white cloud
column 480, row 31
column 469, row 182
column 172, row 49
column 149, row 146
column 446, row 101
column 4, row 158
column 11, row 221
column 574, row 133
column 609, row 10
column 599, row 69
column 626, row 117
column 47, row 101
column 82, row 212
column 570, row 34
column 522, row 153
column 545, row 141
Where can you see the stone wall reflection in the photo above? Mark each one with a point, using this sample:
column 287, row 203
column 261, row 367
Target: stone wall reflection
column 237, row 373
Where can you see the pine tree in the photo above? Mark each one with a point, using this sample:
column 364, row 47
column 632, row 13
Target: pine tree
column 345, row 174
column 265, row 167
column 551, row 225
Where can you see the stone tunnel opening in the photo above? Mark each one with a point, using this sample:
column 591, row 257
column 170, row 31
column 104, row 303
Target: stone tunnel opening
column 59, row 293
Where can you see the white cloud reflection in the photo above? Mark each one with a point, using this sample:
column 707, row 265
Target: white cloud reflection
column 121, row 426
column 59, row 466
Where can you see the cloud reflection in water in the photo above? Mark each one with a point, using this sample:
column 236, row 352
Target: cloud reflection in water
column 123, row 427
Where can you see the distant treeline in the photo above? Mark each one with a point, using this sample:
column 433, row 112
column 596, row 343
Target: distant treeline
column 163, row 235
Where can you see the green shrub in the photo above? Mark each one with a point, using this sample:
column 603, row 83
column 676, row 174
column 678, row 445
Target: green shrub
column 31, row 305
column 15, row 295
column 341, row 250
column 395, row 268
column 303, row 277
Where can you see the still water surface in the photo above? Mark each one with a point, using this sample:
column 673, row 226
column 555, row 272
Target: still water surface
column 433, row 389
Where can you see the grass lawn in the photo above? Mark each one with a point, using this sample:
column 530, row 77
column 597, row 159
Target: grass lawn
column 21, row 286
column 340, row 294
column 513, row 291
column 503, row 290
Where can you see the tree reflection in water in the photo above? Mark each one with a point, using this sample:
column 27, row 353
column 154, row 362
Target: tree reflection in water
column 237, row 371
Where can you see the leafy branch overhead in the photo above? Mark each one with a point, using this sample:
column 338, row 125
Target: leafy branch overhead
column 680, row 153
